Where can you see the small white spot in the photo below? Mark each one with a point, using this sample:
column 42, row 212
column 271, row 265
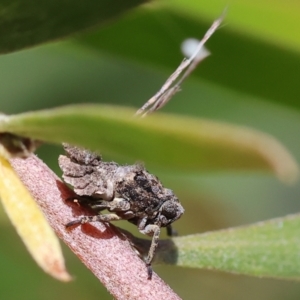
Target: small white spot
column 189, row 46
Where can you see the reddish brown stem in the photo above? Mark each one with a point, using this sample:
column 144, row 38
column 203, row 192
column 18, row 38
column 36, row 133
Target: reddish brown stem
column 101, row 247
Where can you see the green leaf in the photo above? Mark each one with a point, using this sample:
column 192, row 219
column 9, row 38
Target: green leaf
column 26, row 23
column 240, row 61
column 276, row 22
column 161, row 140
column 269, row 249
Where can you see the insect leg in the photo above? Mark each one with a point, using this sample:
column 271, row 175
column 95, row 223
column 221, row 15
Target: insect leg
column 97, row 218
column 153, row 230
column 82, row 200
column 171, row 231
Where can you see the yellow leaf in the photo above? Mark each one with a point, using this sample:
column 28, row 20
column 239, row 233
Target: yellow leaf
column 30, row 223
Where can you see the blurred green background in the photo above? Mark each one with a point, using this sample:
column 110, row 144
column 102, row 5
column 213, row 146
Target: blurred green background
column 251, row 79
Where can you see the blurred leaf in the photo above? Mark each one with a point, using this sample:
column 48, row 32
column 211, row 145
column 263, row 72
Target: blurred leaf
column 274, row 21
column 30, row 223
column 166, row 141
column 239, row 61
column 26, row 23
column 269, row 249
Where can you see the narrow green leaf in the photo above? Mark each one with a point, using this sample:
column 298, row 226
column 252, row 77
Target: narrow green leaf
column 239, row 61
column 166, row 141
column 277, row 21
column 269, row 249
column 25, row 23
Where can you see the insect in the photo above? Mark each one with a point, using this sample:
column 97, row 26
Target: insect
column 127, row 192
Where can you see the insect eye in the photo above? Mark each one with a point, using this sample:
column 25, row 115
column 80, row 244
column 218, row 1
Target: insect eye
column 169, row 209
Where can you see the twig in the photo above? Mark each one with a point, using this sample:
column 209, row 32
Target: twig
column 101, row 247
column 168, row 91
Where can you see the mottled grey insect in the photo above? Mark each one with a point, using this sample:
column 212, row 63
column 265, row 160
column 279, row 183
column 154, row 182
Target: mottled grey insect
column 127, row 192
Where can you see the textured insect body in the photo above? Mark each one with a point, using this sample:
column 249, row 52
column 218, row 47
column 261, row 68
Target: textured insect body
column 127, row 192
